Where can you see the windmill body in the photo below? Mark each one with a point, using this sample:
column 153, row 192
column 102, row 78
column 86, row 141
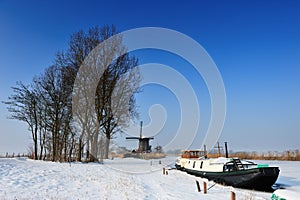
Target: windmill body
column 144, row 146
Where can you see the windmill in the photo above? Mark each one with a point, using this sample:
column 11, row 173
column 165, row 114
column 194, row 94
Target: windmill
column 143, row 141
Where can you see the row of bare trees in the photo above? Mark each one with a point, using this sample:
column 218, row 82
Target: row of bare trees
column 66, row 120
column 292, row 155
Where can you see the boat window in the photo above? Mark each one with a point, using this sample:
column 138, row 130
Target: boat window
column 194, row 164
column 228, row 168
column 201, row 164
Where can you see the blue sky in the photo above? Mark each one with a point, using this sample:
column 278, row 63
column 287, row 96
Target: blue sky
column 255, row 45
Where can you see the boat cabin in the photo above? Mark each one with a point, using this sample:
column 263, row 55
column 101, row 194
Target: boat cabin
column 193, row 154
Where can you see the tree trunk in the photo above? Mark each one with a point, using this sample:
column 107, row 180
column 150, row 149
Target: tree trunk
column 106, row 150
column 35, row 144
column 94, row 148
column 53, row 146
column 79, row 149
column 65, row 149
column 35, row 149
column 71, row 149
column 101, row 148
column 41, row 152
column 45, row 154
column 88, row 149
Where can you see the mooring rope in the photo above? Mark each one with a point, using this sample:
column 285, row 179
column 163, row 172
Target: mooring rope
column 212, row 186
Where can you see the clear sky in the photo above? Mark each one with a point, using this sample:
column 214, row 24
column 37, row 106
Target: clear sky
column 255, row 45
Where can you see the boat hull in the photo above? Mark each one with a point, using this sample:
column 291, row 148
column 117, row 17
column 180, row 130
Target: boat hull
column 178, row 167
column 255, row 178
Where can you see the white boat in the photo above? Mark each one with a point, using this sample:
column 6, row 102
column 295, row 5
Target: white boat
column 228, row 171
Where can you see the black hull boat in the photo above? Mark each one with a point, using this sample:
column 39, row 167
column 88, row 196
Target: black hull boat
column 230, row 171
column 259, row 179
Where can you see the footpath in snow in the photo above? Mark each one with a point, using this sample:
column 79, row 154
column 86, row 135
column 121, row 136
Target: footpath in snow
column 118, row 179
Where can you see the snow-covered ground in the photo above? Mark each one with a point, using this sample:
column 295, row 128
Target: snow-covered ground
column 120, row 179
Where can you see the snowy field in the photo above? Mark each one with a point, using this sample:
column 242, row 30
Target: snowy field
column 129, row 178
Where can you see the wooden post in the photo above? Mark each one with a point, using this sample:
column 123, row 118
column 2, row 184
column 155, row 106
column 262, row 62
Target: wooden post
column 159, row 162
column 204, row 188
column 232, row 195
column 198, row 186
column 164, row 171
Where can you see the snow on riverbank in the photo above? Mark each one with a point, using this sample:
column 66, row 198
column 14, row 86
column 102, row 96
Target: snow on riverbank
column 117, row 179
column 289, row 179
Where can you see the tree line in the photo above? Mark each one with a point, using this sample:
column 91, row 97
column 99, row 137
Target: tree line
column 291, row 155
column 47, row 104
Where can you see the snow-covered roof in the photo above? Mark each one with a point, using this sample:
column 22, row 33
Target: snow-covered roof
column 220, row 160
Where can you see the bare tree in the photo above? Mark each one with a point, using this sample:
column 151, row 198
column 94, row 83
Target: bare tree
column 23, row 106
column 102, row 108
column 102, row 67
column 55, row 98
column 116, row 101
